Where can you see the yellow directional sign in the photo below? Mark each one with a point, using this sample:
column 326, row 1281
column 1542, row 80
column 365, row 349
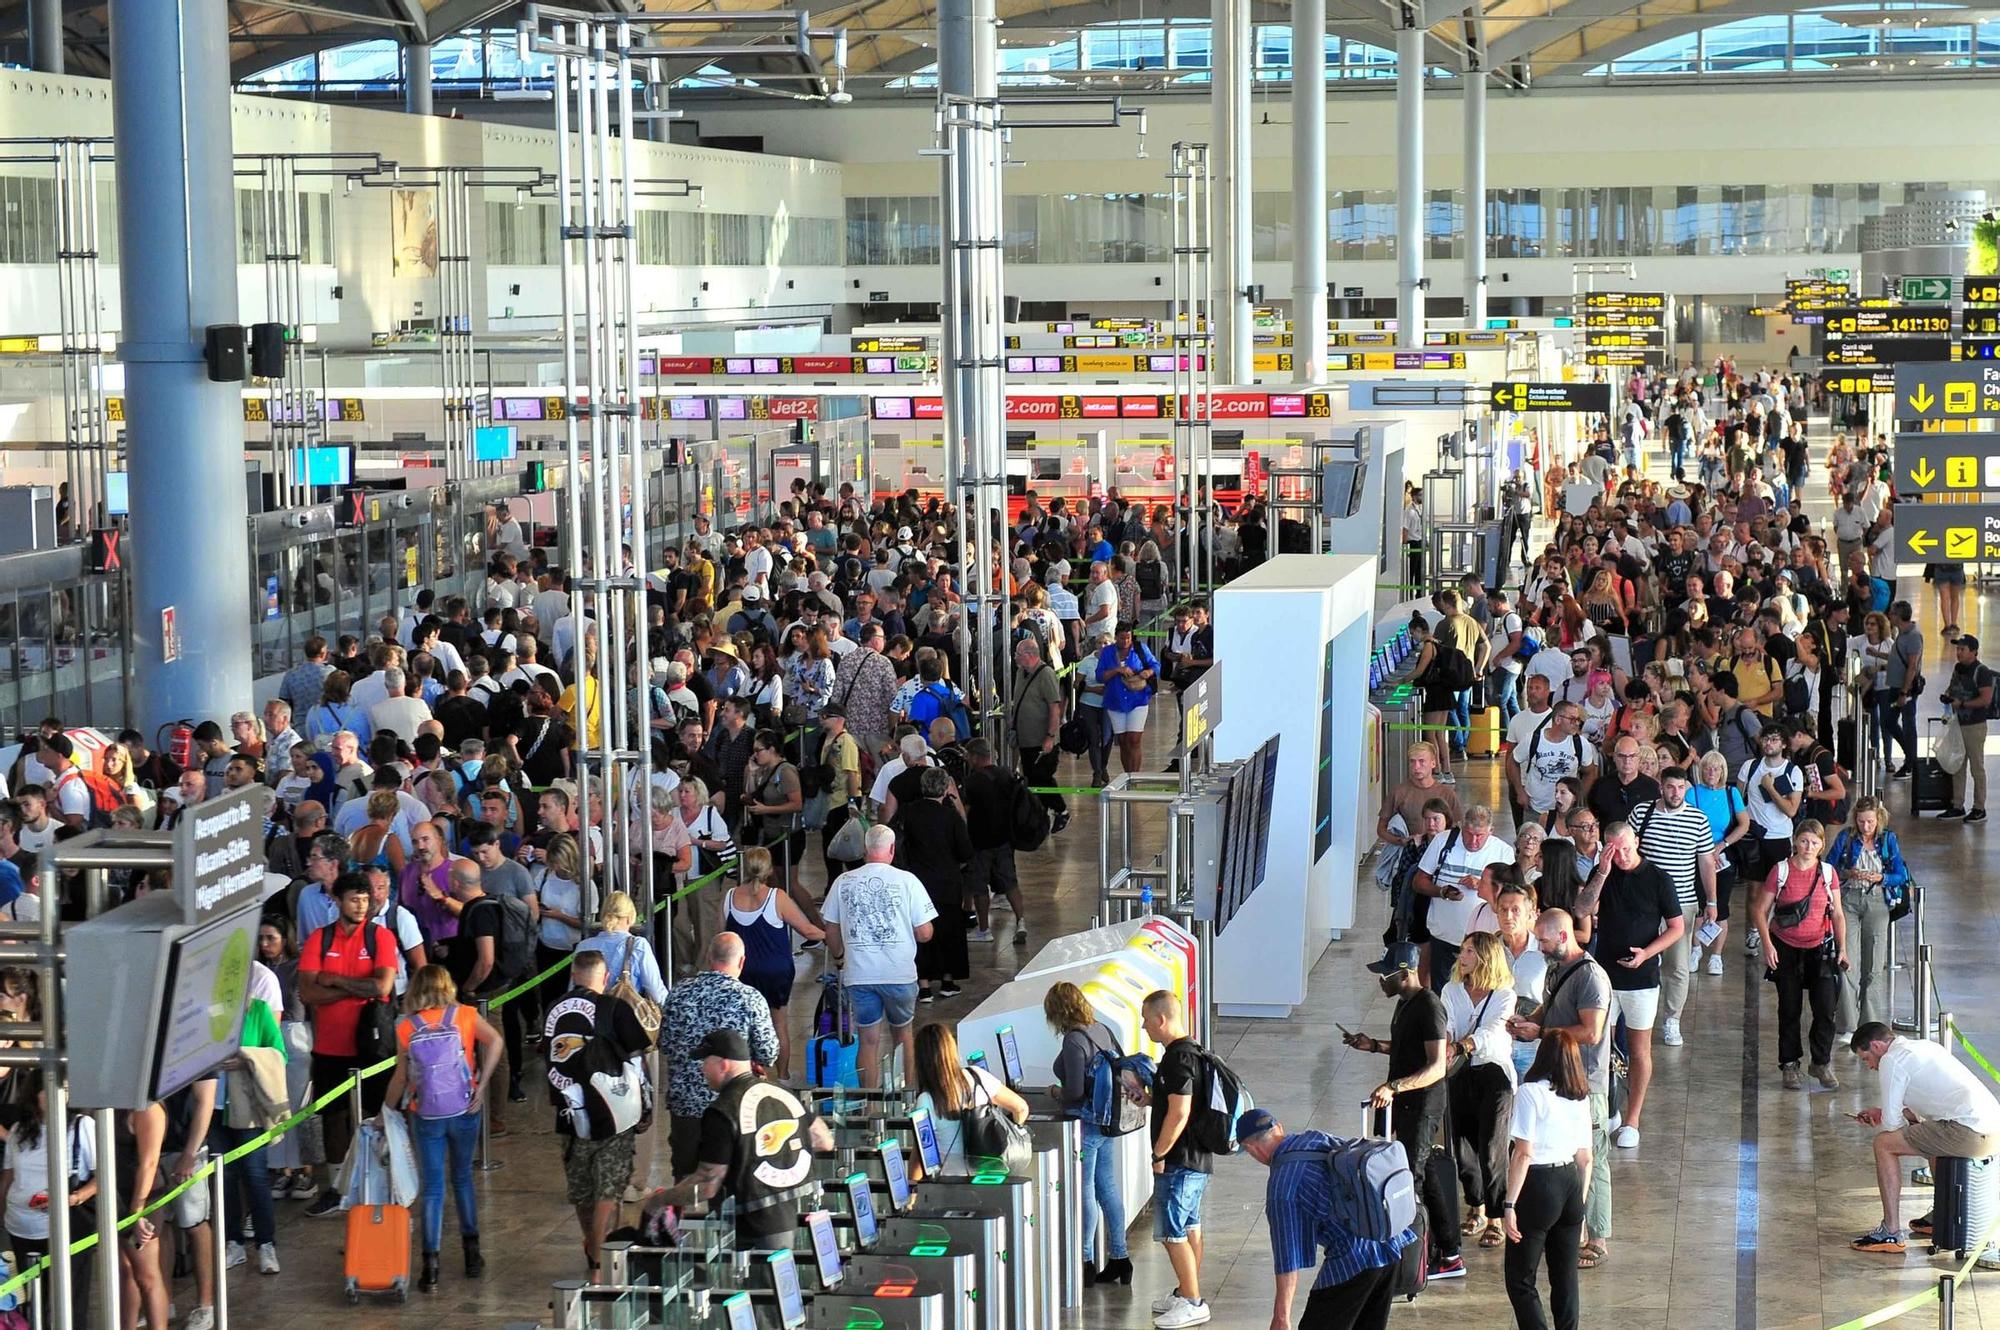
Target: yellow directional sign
column 1954, row 532
column 1948, row 390
column 1944, row 462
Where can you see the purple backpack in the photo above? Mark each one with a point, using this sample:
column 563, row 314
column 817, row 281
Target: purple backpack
column 440, row 1077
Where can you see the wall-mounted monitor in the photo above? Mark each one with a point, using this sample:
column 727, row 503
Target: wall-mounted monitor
column 332, row 465
column 494, row 443
column 687, row 408
column 520, row 408
column 732, row 408
column 117, row 494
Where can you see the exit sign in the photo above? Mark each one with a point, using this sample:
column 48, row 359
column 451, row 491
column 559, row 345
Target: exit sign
column 1926, row 288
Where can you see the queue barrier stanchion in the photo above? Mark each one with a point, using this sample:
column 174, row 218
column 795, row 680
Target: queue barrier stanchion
column 218, row 1233
column 1947, row 1296
column 486, row 1162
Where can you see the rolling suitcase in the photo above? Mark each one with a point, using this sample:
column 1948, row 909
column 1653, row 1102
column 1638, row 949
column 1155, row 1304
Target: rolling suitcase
column 832, row 1056
column 1930, row 785
column 1962, row 1202
column 1483, row 738
column 1413, row 1268
column 378, row 1252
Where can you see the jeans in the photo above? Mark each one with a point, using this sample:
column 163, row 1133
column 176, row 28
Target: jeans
column 1461, row 718
column 1100, row 1192
column 436, row 1137
column 1099, row 731
column 1864, row 989
column 1803, row 977
column 1974, row 770
column 1677, row 456
column 1904, row 718
column 1549, row 1214
column 1503, row 690
column 248, row 1181
column 1177, row 1197
column 1597, row 1213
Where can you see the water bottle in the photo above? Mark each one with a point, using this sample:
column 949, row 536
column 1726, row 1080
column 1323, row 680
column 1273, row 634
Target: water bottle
column 1146, row 898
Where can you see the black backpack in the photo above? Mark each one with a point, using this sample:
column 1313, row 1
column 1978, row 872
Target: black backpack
column 1451, row 667
column 514, row 948
column 1027, row 816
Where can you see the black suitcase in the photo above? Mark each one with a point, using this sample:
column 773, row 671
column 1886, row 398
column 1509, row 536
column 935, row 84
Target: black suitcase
column 1930, row 787
column 1962, row 1202
column 1414, row 1269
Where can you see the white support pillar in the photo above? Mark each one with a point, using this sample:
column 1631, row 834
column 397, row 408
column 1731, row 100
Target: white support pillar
column 1231, row 62
column 1309, row 191
column 1410, row 176
column 1475, row 194
column 417, row 79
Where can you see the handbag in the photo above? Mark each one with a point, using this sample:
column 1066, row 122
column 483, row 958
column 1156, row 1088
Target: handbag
column 647, row 1010
column 849, row 844
column 1950, row 750
column 988, row 1133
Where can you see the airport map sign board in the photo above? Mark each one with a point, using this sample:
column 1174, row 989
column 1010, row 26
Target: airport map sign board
column 1947, row 533
column 1592, row 398
column 1964, row 390
column 1947, row 464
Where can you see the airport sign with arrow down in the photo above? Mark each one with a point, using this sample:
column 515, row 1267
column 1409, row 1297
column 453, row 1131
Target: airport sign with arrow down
column 1947, row 533
column 1963, row 390
column 1947, row 463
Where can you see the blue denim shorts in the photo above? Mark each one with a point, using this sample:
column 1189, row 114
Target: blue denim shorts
column 1177, row 1203
column 875, row 1002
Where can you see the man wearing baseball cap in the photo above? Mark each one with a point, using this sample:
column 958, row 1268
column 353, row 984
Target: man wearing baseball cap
column 1414, row 1094
column 1357, row 1277
column 1969, row 694
column 757, row 1144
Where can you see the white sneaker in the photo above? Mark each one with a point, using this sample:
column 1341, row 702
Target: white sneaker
column 1753, row 943
column 1715, row 962
column 1670, row 1032
column 1165, row 1302
column 980, row 935
column 1627, row 1138
column 1694, row 960
column 234, row 1256
column 267, row 1258
column 1182, row 1313
column 201, row 1318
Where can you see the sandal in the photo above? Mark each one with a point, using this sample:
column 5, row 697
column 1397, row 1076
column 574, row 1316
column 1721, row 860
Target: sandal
column 1591, row 1255
column 1495, row 1234
column 1475, row 1220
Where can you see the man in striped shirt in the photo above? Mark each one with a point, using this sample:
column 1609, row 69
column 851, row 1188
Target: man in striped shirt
column 1675, row 836
column 1356, row 1281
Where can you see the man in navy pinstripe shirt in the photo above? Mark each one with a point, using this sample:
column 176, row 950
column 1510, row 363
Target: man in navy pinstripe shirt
column 1356, row 1281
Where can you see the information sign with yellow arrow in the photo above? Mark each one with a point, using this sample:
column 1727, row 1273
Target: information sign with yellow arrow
column 1965, row 390
column 1947, row 532
column 1947, row 463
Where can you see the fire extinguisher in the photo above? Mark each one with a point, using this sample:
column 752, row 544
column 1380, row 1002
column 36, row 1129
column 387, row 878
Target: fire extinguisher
column 176, row 740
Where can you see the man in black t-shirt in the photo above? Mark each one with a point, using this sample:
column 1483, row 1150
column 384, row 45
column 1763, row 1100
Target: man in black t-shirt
column 588, row 1033
column 1414, row 1095
column 757, row 1144
column 1180, row 1167
column 1638, row 917
column 473, row 953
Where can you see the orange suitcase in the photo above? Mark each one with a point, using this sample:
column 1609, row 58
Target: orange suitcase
column 378, row 1251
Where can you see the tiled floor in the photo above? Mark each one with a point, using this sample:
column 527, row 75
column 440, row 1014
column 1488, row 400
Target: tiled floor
column 1735, row 1210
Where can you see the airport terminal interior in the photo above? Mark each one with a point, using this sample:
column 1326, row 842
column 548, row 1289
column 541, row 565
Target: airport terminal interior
column 676, row 664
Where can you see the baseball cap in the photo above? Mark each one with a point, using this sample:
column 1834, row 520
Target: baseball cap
column 1396, row 956
column 1969, row 642
column 753, row 592
column 833, row 710
column 728, row 1044
column 904, row 533
column 1254, row 1123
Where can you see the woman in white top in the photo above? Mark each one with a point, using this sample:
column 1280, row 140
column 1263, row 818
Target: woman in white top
column 25, row 1184
column 1548, row 1179
column 698, row 916
column 560, row 891
column 949, row 1090
column 1478, row 1002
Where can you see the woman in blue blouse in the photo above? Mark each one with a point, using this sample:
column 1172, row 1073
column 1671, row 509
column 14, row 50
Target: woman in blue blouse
column 334, row 713
column 1129, row 672
column 1873, row 883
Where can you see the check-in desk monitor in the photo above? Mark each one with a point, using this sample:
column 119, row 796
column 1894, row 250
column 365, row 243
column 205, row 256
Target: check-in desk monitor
column 862, row 1205
column 785, row 1283
column 893, row 1171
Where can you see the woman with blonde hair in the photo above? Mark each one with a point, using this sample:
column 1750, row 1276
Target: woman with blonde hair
column 627, row 953
column 445, row 1057
column 376, row 841
column 1873, row 883
column 1728, row 823
column 765, row 918
column 1084, row 1036
column 1478, row 1002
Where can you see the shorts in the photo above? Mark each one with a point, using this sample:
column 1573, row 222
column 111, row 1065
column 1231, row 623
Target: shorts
column 190, row 1208
column 1128, row 722
column 775, row 988
column 597, row 1170
column 1944, row 1139
column 874, row 1003
column 1638, row 1007
column 1725, row 886
column 993, row 871
column 1947, row 574
column 1177, row 1203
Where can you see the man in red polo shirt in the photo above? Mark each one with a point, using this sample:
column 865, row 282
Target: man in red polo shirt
column 342, row 968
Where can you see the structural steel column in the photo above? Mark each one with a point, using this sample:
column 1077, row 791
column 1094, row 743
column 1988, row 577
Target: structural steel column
column 1230, row 67
column 1410, row 177
column 1309, row 190
column 968, row 42
column 1475, row 195
column 177, row 232
column 417, row 79
column 45, row 35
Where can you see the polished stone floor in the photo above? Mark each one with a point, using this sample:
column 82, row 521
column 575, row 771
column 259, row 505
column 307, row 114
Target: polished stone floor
column 1734, row 1211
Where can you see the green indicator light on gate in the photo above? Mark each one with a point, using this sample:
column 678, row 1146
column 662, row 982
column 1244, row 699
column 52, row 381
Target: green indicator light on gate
column 930, row 1249
column 988, row 1179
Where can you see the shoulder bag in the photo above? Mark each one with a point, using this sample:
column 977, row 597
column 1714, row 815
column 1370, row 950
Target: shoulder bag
column 988, row 1132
